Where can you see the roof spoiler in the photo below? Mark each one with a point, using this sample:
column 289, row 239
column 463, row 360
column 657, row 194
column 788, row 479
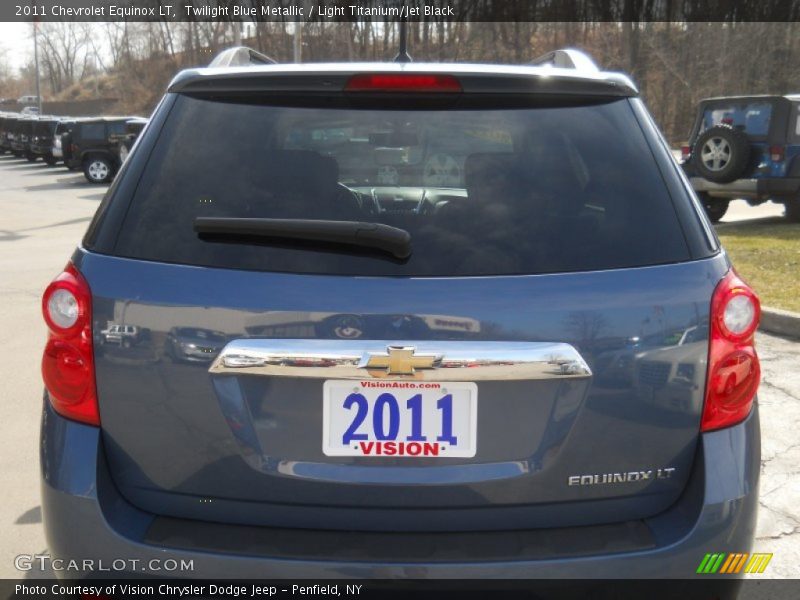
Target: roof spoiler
column 241, row 56
column 567, row 58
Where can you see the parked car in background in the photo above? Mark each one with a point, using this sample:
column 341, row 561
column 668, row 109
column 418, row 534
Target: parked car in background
column 745, row 147
column 63, row 127
column 92, row 147
column 28, row 100
column 30, row 110
column 538, row 205
column 5, row 123
column 41, row 145
column 20, row 138
column 125, row 141
column 65, row 133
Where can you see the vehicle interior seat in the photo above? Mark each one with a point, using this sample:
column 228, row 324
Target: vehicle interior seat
column 302, row 183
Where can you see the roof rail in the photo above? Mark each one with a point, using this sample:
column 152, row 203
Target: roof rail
column 567, row 58
column 241, row 56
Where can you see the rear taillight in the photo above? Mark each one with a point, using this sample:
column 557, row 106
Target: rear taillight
column 777, row 153
column 686, row 153
column 68, row 361
column 733, row 369
column 402, row 82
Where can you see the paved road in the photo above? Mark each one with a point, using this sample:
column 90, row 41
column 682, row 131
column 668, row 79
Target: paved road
column 43, row 214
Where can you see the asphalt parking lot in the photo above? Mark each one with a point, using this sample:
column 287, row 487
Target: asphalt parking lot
column 43, row 214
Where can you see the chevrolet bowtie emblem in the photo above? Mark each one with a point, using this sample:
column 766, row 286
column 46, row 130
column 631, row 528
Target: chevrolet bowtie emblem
column 400, row 360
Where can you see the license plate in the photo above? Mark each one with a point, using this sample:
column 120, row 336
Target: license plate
column 399, row 419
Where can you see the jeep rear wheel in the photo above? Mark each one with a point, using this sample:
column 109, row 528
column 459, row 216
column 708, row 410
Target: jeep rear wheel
column 715, row 208
column 98, row 169
column 792, row 210
column 721, row 154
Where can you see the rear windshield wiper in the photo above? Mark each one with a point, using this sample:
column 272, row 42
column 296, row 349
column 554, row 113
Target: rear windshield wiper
column 393, row 240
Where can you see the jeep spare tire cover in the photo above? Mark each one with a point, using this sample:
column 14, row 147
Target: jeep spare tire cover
column 721, row 154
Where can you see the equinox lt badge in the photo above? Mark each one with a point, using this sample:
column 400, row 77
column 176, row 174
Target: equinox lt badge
column 627, row 477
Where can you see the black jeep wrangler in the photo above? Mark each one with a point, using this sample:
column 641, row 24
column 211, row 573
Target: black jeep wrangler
column 745, row 147
column 20, row 133
column 124, row 142
column 41, row 143
column 5, row 123
column 92, row 147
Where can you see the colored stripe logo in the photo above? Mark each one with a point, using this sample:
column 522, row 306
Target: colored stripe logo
column 734, row 563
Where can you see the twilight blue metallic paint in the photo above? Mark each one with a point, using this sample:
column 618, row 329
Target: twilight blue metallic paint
column 718, row 510
column 225, row 444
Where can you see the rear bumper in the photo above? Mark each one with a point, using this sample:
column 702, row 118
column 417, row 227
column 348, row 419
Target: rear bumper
column 40, row 150
column 756, row 188
column 85, row 518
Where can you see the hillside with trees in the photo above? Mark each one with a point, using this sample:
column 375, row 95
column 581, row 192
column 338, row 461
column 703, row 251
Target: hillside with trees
column 674, row 64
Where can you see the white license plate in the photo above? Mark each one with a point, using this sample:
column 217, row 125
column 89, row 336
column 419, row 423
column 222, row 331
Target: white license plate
column 399, row 419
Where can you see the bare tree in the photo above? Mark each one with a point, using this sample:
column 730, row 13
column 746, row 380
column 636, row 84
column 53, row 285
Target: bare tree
column 65, row 53
column 674, row 64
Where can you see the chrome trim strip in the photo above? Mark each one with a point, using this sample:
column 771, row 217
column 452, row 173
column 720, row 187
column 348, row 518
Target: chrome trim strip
column 348, row 359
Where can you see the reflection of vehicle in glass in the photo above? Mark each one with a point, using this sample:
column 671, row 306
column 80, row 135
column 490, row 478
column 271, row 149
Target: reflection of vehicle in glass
column 673, row 377
column 344, row 398
column 194, row 344
column 121, row 335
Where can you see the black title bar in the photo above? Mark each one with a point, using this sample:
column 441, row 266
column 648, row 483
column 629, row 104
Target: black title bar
column 394, row 10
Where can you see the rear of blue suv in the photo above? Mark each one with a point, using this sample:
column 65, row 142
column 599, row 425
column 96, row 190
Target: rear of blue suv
column 445, row 321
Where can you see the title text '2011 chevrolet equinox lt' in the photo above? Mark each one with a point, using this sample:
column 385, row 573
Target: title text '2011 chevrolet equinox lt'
column 401, row 320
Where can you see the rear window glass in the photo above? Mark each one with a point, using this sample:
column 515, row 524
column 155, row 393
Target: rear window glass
column 116, row 128
column 45, row 128
column 482, row 192
column 93, row 131
column 751, row 117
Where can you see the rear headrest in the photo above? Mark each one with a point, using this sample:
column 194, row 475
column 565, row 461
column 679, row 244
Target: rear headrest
column 484, row 169
column 301, row 171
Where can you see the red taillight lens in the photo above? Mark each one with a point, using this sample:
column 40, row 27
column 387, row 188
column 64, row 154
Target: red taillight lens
column 402, row 82
column 686, row 153
column 777, row 153
column 733, row 368
column 68, row 361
